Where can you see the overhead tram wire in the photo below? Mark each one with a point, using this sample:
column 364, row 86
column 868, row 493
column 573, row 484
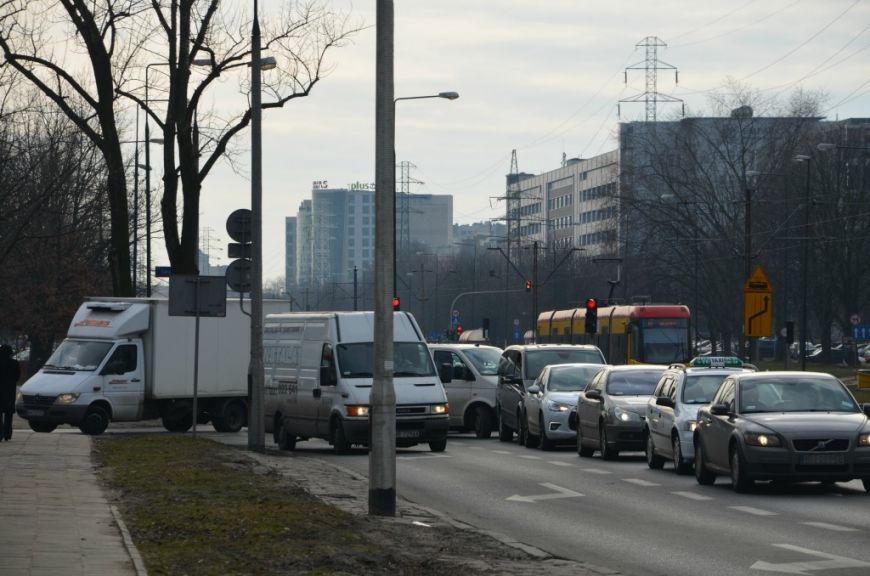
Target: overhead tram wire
column 754, row 22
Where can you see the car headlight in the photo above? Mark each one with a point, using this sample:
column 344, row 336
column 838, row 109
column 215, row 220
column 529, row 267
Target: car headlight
column 761, row 439
column 625, row 415
column 691, row 425
column 19, row 397
column 557, row 407
column 440, row 408
column 67, row 398
column 864, row 439
column 357, row 410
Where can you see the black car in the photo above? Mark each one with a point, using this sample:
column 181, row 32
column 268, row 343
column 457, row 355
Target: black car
column 792, row 426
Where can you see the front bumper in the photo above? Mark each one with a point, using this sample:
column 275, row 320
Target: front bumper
column 626, row 436
column 51, row 413
column 784, row 463
column 409, row 432
column 557, row 429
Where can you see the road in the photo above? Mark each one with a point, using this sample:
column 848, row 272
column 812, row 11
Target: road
column 626, row 517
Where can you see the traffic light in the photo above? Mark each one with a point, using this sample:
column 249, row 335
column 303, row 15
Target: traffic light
column 397, row 304
column 591, row 316
column 458, row 332
column 789, row 332
column 528, row 285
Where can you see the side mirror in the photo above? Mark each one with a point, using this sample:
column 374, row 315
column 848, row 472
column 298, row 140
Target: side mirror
column 594, row 395
column 720, row 409
column 327, row 376
column 572, row 420
column 665, row 401
column 534, row 389
column 445, row 372
column 866, row 408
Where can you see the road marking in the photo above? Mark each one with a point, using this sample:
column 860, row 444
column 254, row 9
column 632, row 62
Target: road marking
column 475, row 447
column 559, row 493
column 527, row 457
column 830, row 562
column 559, row 463
column 596, row 471
column 755, row 511
column 499, row 451
column 640, row 482
column 834, row 527
column 422, row 456
column 692, row 495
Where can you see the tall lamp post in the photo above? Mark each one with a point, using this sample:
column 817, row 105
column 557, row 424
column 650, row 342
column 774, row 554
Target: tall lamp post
column 806, row 263
column 445, row 95
column 747, row 247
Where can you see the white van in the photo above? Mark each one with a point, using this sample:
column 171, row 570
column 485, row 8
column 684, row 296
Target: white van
column 318, row 376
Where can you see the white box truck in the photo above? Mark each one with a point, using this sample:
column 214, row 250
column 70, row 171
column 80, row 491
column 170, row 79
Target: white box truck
column 318, row 377
column 127, row 359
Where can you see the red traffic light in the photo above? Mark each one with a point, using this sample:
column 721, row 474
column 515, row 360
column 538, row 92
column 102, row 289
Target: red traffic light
column 459, row 330
column 396, row 303
column 528, row 285
column 591, row 303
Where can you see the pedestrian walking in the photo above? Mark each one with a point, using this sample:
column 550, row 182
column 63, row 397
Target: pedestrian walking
column 10, row 372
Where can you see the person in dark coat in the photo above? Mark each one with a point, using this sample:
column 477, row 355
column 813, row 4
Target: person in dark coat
column 10, row 372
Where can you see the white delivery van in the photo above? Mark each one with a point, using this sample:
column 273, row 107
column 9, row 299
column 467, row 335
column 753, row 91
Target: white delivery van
column 318, row 376
column 127, row 359
column 472, row 385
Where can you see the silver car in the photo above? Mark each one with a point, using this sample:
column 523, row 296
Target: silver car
column 672, row 411
column 550, row 401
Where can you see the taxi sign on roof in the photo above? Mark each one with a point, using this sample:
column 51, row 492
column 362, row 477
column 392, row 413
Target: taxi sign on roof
column 716, row 362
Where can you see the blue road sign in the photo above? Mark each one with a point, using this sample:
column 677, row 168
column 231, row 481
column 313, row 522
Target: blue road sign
column 163, row 271
column 861, row 332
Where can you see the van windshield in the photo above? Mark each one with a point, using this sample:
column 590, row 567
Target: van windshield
column 409, row 359
column 84, row 355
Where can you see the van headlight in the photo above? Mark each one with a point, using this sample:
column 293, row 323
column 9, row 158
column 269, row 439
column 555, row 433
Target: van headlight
column 358, row 410
column 67, row 398
column 440, row 408
column 625, row 415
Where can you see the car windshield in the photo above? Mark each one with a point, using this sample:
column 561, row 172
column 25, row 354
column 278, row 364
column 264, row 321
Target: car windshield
column 633, row 382
column 537, row 359
column 795, row 395
column 571, row 378
column 409, row 359
column 485, row 360
column 700, row 388
column 84, row 355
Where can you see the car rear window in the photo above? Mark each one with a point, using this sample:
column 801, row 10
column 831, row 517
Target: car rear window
column 537, row 359
column 633, row 382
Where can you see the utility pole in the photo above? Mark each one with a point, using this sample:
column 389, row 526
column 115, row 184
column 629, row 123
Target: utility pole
column 354, row 290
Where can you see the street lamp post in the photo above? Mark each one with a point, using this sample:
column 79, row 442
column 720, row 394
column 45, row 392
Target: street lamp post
column 806, row 263
column 445, row 95
column 746, row 347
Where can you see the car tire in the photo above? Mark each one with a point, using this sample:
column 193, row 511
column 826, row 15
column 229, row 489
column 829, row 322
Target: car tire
column 42, row 426
column 505, row 432
column 482, row 422
column 740, row 482
column 544, row 443
column 653, row 460
column 702, row 474
column 95, row 422
column 681, row 465
column 339, row 441
column 286, row 440
column 529, row 440
column 583, row 451
column 607, row 452
column 438, row 445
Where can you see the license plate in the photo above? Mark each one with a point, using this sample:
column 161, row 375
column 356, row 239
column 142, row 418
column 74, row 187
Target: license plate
column 34, row 412
column 407, row 433
column 822, row 459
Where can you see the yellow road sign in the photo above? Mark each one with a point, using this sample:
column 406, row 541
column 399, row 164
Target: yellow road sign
column 757, row 283
column 757, row 314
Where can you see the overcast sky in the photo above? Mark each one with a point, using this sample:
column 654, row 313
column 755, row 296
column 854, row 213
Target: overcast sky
column 539, row 76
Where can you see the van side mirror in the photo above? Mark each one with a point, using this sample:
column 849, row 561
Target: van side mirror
column 445, row 372
column 327, row 376
column 866, row 408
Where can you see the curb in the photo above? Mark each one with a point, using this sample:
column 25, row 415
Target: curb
column 138, row 564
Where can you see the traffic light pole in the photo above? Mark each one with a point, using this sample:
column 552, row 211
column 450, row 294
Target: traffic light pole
column 473, row 292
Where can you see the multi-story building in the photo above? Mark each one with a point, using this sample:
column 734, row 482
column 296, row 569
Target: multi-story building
column 289, row 253
column 303, row 244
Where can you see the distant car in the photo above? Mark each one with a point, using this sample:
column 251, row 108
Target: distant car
column 471, row 392
column 672, row 411
column 520, row 365
column 550, row 401
column 611, row 410
column 792, row 426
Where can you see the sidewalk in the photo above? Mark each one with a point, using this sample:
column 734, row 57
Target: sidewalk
column 54, row 517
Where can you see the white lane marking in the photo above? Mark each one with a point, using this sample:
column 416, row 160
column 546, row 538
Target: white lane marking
column 421, row 456
column 559, row 492
column 596, row 471
column 527, row 457
column 640, row 482
column 559, row 463
column 475, row 447
column 754, row 511
column 830, row 562
column 692, row 496
column 834, row 527
column 499, row 451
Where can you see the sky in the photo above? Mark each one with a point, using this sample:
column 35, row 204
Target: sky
column 539, row 77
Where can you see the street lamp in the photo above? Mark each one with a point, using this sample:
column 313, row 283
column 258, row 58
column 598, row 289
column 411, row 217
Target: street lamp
column 446, row 96
column 806, row 263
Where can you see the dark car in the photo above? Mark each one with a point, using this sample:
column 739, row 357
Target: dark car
column 792, row 426
column 520, row 365
column 610, row 412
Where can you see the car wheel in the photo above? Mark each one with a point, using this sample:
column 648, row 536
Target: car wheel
column 482, row 422
column 545, row 443
column 607, row 452
column 529, row 440
column 739, row 481
column 339, row 441
column 438, row 445
column 653, row 460
column 95, row 422
column 286, row 440
column 505, row 432
column 702, row 474
column 681, row 466
column 582, row 451
column 42, row 426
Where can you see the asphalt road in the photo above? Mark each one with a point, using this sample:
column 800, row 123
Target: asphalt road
column 626, row 517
